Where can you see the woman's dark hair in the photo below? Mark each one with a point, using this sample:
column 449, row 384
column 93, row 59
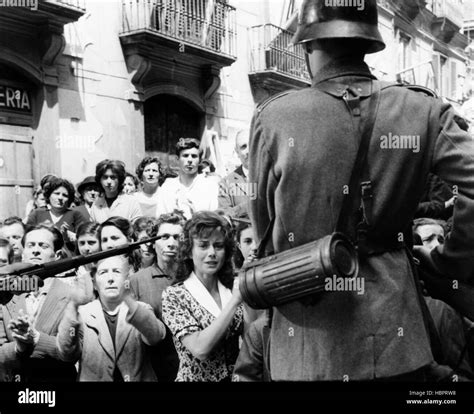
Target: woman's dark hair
column 45, row 179
column 120, row 223
column 56, row 182
column 143, row 223
column 147, row 161
column 134, row 179
column 117, row 167
column 243, row 223
column 201, row 225
column 90, row 228
column 127, row 230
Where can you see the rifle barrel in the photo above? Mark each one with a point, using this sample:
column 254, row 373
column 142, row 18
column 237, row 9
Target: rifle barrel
column 49, row 269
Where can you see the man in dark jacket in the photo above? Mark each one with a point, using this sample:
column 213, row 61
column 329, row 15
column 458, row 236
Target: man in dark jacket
column 235, row 190
column 302, row 153
column 148, row 285
column 437, row 201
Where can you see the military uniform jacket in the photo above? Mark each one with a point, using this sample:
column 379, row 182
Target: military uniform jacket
column 301, row 159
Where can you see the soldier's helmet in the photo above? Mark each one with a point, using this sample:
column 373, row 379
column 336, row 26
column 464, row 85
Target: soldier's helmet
column 324, row 19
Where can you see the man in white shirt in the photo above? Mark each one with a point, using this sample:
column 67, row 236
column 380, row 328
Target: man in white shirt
column 190, row 191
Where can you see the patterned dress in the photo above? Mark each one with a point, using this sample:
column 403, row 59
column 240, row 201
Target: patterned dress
column 184, row 315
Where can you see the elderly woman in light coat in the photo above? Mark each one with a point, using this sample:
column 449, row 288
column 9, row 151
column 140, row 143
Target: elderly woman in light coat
column 109, row 335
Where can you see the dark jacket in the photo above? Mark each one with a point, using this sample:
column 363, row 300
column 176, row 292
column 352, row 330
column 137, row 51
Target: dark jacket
column 234, row 193
column 435, row 195
column 252, row 364
column 148, row 285
column 455, row 334
column 302, row 151
column 72, row 217
column 84, row 212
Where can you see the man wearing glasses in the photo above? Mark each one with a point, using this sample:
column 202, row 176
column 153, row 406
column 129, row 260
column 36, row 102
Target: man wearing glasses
column 29, row 321
column 148, row 284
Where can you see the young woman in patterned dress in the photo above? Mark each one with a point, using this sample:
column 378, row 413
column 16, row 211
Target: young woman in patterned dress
column 204, row 308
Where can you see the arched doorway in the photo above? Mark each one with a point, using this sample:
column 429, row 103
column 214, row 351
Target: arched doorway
column 168, row 118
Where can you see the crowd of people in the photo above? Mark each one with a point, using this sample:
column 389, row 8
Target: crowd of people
column 169, row 310
column 172, row 309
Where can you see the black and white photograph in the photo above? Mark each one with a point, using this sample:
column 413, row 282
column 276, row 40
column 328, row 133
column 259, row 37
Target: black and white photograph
column 254, row 202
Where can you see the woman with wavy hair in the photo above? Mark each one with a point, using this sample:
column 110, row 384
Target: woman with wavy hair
column 110, row 176
column 117, row 231
column 59, row 194
column 204, row 308
column 151, row 175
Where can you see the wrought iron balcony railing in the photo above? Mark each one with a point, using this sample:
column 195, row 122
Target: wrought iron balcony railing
column 271, row 51
column 208, row 24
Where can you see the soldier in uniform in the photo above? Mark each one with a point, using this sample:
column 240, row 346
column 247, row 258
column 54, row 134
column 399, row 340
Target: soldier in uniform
column 303, row 148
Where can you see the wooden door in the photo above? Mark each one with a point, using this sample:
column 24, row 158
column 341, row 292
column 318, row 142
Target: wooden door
column 16, row 170
column 167, row 119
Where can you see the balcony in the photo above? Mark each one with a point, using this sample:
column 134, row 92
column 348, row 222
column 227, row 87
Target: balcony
column 201, row 30
column 274, row 64
column 410, row 9
column 70, row 10
column 448, row 20
column 34, row 30
column 55, row 13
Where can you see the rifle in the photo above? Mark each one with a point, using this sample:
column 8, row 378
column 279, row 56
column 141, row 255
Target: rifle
column 50, row 269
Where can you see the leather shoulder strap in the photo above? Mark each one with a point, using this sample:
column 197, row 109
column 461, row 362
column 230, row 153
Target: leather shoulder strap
column 352, row 200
